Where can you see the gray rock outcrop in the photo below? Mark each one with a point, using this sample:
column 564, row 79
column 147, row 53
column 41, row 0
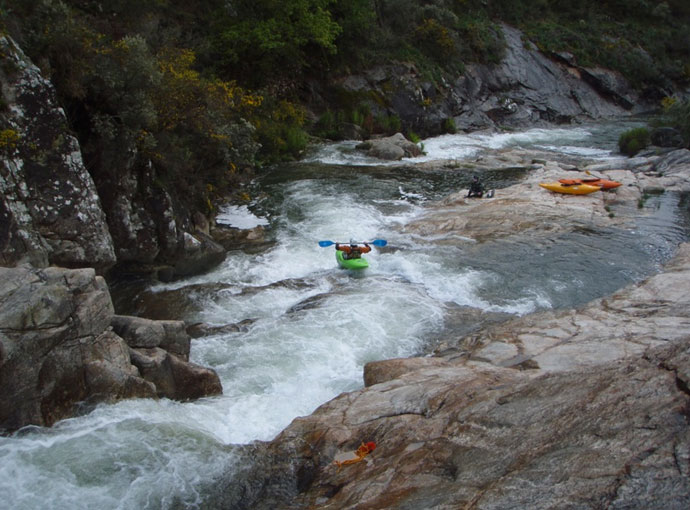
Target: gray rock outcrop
column 59, row 353
column 54, row 211
column 50, row 211
column 526, row 208
column 484, row 437
column 526, row 88
column 56, row 348
column 160, row 350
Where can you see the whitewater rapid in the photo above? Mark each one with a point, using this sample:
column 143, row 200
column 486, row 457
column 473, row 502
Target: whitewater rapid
column 311, row 328
column 593, row 141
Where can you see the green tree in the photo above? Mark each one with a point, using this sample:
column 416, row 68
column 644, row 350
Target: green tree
column 258, row 40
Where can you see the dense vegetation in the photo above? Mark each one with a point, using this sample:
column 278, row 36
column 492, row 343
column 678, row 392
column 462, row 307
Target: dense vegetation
column 195, row 86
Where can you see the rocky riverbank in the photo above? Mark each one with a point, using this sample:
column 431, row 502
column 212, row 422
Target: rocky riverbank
column 63, row 349
column 573, row 408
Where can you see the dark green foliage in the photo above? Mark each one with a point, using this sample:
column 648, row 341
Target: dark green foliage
column 483, row 41
column 436, row 40
column 256, row 38
column 413, row 137
column 677, row 115
column 279, row 127
column 449, row 126
column 387, row 124
column 332, row 125
column 127, row 92
column 633, row 141
column 158, row 77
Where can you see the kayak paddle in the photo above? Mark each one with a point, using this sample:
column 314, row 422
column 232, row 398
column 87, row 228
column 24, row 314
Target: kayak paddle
column 375, row 242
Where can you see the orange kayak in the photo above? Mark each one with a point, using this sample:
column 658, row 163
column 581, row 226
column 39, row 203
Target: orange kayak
column 570, row 189
column 593, row 181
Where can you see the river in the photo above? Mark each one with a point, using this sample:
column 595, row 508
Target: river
column 310, row 327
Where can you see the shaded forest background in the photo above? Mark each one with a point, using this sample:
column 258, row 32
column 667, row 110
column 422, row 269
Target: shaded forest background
column 207, row 90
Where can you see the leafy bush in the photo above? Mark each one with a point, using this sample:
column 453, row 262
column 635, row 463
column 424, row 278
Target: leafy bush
column 280, row 130
column 633, row 141
column 387, row 124
column 482, row 40
column 436, row 40
column 256, row 38
column 413, row 137
column 449, row 126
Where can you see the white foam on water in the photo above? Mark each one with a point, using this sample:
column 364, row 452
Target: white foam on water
column 461, row 146
column 135, row 454
column 587, row 152
column 239, row 216
column 287, row 367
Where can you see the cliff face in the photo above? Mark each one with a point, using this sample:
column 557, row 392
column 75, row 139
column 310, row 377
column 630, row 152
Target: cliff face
column 60, row 343
column 50, row 210
column 54, row 211
column 526, row 88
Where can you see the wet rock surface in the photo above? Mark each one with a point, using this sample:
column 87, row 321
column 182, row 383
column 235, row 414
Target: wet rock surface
column 526, row 208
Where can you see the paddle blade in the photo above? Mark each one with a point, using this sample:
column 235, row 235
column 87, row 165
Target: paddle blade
column 323, row 244
column 379, row 242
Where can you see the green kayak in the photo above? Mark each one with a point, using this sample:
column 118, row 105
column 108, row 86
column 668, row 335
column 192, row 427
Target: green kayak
column 360, row 263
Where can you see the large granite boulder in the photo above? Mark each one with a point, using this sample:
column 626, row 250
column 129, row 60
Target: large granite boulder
column 160, row 350
column 50, row 211
column 56, row 348
column 140, row 333
column 174, row 378
column 59, row 352
column 391, row 148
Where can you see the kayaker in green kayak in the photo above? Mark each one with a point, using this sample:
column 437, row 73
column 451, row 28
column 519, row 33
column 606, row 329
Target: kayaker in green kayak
column 349, row 255
column 353, row 250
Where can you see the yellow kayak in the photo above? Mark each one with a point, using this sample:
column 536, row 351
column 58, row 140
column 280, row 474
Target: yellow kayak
column 571, row 189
